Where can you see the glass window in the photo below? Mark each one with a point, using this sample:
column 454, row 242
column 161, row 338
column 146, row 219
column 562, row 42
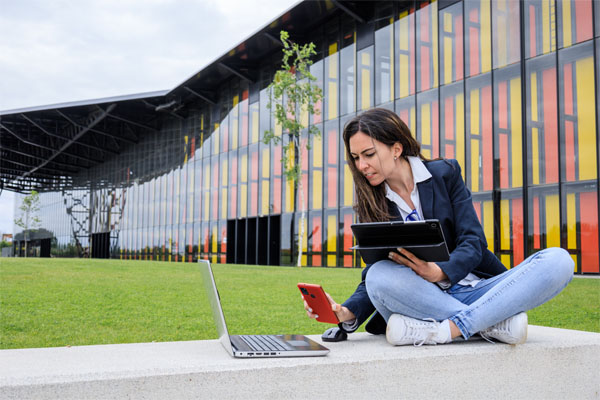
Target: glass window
column 330, row 245
column 314, row 249
column 453, row 123
column 332, row 65
column 540, row 27
column 574, row 21
column 265, row 174
column 506, row 32
column 428, row 123
column 317, row 70
column 478, row 119
column 232, row 184
column 427, row 47
column 406, row 109
column 276, row 178
column 384, row 55
column 405, row 52
column 346, row 182
column 451, row 43
column 253, row 157
column 577, row 113
column 346, row 238
column 478, row 37
column 347, row 69
column 331, row 141
column 243, row 182
column 542, row 121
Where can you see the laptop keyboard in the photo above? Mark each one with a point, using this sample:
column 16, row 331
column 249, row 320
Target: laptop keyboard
column 265, row 342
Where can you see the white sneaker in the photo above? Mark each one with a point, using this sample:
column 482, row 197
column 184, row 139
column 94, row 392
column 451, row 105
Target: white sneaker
column 512, row 330
column 402, row 330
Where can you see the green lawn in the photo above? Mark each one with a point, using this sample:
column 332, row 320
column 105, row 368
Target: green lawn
column 59, row 302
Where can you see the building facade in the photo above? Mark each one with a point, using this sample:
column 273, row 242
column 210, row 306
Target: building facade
column 508, row 88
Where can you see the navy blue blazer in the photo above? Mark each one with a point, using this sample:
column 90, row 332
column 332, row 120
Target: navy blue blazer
column 444, row 197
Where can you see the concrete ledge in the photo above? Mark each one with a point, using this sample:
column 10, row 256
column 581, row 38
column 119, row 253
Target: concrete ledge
column 554, row 363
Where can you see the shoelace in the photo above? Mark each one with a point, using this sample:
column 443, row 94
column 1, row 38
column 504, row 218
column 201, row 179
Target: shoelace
column 415, row 330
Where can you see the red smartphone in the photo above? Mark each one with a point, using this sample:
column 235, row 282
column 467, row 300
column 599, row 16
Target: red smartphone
column 317, row 300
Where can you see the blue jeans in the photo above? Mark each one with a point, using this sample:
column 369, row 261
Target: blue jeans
column 397, row 289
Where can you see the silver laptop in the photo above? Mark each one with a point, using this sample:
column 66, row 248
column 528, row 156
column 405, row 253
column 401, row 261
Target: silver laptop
column 252, row 346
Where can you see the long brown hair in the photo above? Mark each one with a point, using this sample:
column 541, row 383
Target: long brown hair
column 386, row 127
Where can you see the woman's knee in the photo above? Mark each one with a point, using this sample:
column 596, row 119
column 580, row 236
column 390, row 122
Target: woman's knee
column 384, row 276
column 561, row 264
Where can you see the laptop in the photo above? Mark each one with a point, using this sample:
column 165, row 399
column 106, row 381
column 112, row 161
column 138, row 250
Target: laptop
column 254, row 346
column 425, row 239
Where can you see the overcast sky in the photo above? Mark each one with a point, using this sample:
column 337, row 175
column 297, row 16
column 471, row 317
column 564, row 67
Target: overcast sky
column 60, row 51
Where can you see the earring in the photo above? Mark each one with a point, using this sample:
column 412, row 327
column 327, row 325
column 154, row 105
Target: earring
column 395, row 158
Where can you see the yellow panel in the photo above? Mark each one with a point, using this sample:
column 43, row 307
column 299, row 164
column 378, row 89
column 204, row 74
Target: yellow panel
column 425, row 127
column 317, row 150
column 404, row 32
column 254, row 128
column 332, row 48
column 505, row 259
column 552, row 221
column 571, row 222
column 474, row 165
column 586, row 119
column 447, row 22
column 265, row 163
column 214, row 239
column 516, row 132
column 348, row 186
column 534, row 99
column 332, row 105
column 244, row 168
column 224, row 172
column 501, row 5
column 566, row 13
column 392, row 62
column 426, row 153
column 289, row 196
column 460, row 132
column 243, row 200
column 216, row 136
column 504, row 225
column 486, row 50
column 404, row 85
column 265, row 198
column 475, row 112
column 447, row 59
column 365, row 74
column 535, row 156
column 223, row 203
column 574, row 257
column 332, row 234
column 317, row 189
column 206, row 204
column 545, row 26
column 413, row 129
column 488, row 223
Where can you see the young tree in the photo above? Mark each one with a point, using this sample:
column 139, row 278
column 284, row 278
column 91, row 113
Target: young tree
column 294, row 95
column 29, row 219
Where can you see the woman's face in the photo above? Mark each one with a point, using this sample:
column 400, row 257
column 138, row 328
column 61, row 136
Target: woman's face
column 375, row 160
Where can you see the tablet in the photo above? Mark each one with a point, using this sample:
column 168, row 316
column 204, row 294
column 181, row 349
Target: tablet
column 425, row 239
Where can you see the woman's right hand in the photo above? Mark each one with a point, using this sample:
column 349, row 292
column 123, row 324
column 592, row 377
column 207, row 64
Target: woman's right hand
column 342, row 313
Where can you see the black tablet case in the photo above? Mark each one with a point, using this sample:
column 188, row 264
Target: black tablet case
column 425, row 239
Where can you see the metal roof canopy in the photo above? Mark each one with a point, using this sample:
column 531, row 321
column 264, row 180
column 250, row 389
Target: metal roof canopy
column 44, row 147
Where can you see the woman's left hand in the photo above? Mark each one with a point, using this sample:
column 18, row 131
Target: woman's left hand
column 427, row 270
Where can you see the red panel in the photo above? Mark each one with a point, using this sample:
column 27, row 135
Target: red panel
column 305, row 185
column 474, row 15
column 569, row 151
column 317, row 241
column 332, row 187
column 425, row 68
column 532, row 44
column 504, row 167
column 486, row 128
column 583, row 16
column 233, row 201
column 449, row 151
column 404, row 116
column 234, row 171
column 425, row 26
column 245, row 95
column 435, row 131
column 459, row 47
column 536, row 223
column 224, row 245
column 474, row 51
column 277, row 161
column 589, row 232
column 254, row 165
column 550, row 125
column 517, row 231
column 214, row 198
column 477, row 207
column 332, row 152
column 347, row 241
column 193, row 146
column 502, row 105
column 411, row 46
column 568, row 82
column 449, row 118
column 276, row 195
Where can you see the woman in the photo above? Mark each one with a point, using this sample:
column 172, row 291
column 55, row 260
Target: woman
column 419, row 302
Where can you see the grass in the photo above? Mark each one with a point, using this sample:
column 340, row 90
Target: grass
column 60, row 302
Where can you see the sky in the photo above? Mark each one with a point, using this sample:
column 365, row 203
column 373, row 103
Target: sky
column 67, row 50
